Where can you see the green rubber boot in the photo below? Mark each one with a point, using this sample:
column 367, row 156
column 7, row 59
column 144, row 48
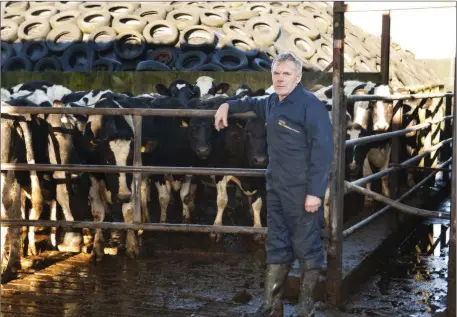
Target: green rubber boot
column 275, row 280
column 308, row 281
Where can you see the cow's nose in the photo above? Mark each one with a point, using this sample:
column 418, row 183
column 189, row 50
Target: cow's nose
column 380, row 126
column 203, row 151
column 260, row 159
column 353, row 167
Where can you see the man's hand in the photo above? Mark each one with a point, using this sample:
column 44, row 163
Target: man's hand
column 220, row 118
column 312, row 203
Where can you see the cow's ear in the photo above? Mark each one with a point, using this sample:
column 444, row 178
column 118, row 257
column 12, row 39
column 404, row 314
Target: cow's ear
column 258, row 92
column 163, row 90
column 407, row 109
column 222, row 88
column 196, row 91
column 184, row 123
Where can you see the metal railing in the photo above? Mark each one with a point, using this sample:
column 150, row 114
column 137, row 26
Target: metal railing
column 137, row 169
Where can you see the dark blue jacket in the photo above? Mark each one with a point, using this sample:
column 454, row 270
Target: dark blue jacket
column 299, row 136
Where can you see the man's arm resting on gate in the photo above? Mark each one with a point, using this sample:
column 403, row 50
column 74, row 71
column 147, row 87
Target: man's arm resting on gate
column 258, row 105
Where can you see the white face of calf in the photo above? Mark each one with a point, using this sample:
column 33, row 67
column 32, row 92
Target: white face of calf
column 382, row 110
column 205, row 83
column 121, row 149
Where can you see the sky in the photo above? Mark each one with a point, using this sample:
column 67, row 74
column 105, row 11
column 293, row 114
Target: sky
column 430, row 34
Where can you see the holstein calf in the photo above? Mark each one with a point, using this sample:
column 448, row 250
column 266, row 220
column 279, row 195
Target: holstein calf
column 172, row 141
column 241, row 145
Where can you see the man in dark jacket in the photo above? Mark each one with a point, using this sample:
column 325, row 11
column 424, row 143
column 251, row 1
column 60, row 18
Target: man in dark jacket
column 300, row 143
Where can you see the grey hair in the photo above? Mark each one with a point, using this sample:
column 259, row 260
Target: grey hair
column 288, row 56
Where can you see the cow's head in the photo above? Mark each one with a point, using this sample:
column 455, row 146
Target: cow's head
column 205, row 86
column 200, row 130
column 179, row 89
column 111, row 140
column 361, row 111
column 256, row 143
column 382, row 109
column 244, row 90
column 355, row 155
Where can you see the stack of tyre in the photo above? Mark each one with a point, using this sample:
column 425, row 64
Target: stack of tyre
column 186, row 36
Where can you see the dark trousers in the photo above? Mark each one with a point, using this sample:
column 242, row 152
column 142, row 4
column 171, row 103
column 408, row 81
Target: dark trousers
column 293, row 233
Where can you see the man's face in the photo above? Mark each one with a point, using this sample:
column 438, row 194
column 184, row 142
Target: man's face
column 285, row 78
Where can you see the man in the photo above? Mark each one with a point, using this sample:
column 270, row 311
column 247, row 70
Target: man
column 299, row 136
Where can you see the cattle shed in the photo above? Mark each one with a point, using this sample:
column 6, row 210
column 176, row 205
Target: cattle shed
column 356, row 243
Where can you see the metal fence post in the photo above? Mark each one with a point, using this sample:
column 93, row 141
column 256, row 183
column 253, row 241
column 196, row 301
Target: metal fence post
column 136, row 192
column 335, row 248
column 451, row 291
column 447, row 133
column 385, row 47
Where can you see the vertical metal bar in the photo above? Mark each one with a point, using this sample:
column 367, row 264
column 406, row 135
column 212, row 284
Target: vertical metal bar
column 385, row 47
column 451, row 291
column 136, row 192
column 396, row 149
column 335, row 248
column 447, row 150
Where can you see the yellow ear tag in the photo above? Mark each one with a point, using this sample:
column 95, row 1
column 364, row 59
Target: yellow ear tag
column 143, row 149
column 184, row 124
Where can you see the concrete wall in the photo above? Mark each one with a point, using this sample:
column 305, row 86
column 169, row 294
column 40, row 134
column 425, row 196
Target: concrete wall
column 143, row 82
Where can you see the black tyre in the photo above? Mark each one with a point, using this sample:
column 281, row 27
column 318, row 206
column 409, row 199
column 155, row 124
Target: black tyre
column 261, row 65
column 48, row 64
column 129, row 45
column 17, row 64
column 60, row 38
column 34, row 51
column 165, row 55
column 230, row 59
column 208, row 68
column 244, row 45
column 152, row 66
column 190, row 60
column 102, row 39
column 77, row 58
column 6, row 50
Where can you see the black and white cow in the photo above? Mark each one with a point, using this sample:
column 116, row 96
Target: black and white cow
column 170, row 142
column 241, row 145
column 12, row 150
column 47, row 187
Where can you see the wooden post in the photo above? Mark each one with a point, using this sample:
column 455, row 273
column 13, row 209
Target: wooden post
column 385, row 47
column 335, row 248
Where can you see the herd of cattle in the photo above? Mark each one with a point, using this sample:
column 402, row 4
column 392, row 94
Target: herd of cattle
column 166, row 141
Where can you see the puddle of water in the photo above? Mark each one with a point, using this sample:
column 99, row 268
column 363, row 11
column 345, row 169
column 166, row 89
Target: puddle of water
column 413, row 283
